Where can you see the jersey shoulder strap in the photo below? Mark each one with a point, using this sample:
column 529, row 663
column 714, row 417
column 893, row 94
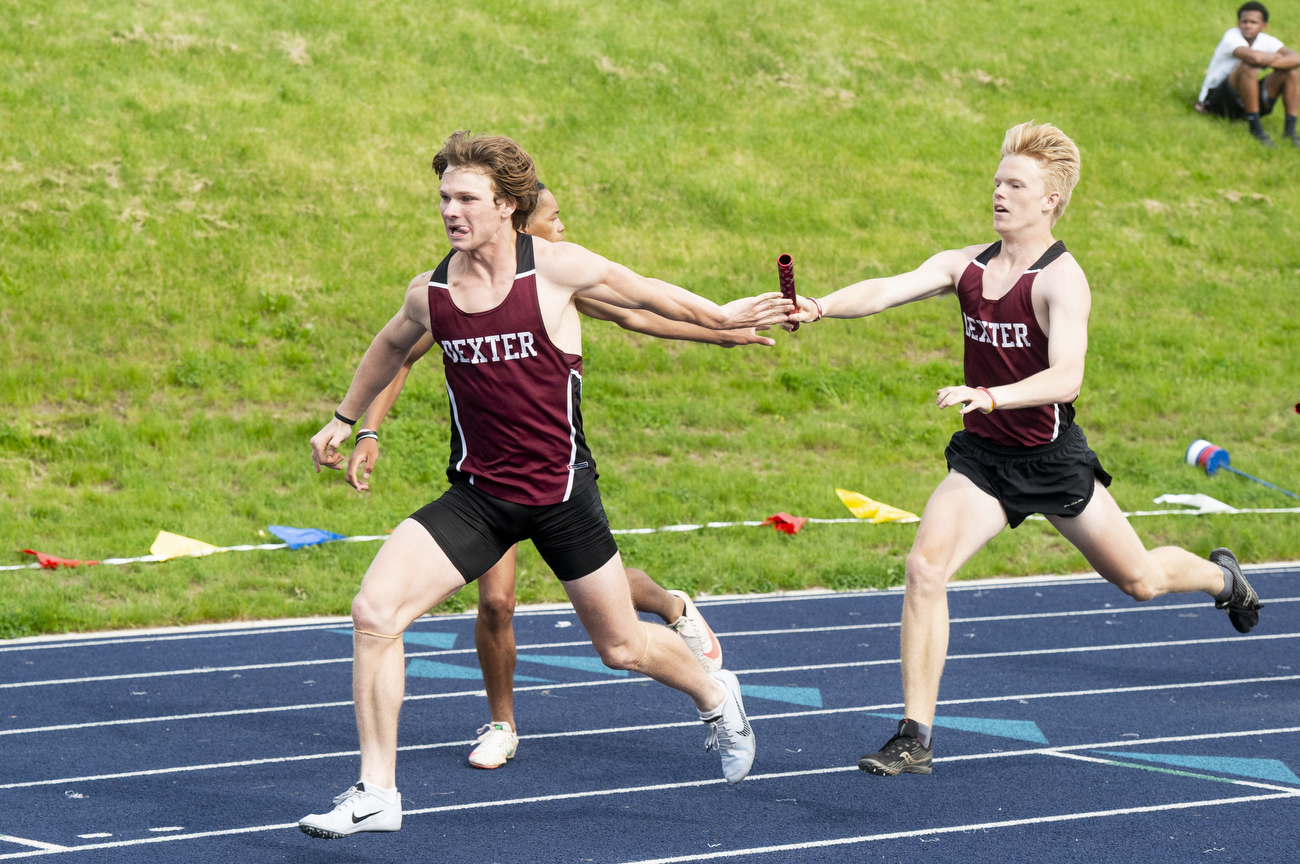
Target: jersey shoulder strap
column 982, row 260
column 1056, row 250
column 524, row 262
column 439, row 277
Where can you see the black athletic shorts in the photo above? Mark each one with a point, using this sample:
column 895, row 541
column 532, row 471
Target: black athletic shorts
column 1224, row 101
column 475, row 529
column 1055, row 479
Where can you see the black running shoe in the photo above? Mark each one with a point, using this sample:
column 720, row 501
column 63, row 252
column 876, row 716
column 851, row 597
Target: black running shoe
column 1265, row 140
column 1294, row 139
column 902, row 754
column 1243, row 606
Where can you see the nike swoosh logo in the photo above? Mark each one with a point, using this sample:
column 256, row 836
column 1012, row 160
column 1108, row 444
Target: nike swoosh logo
column 356, row 819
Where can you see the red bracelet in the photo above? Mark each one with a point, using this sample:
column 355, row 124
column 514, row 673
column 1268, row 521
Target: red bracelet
column 820, row 313
column 994, row 402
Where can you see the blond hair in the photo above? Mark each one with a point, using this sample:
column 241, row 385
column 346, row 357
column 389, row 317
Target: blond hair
column 1054, row 152
column 509, row 169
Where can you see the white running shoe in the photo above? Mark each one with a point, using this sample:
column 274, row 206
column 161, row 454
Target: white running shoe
column 496, row 744
column 697, row 635
column 356, row 810
column 729, row 730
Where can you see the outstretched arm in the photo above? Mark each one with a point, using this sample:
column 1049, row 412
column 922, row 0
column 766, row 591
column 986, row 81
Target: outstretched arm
column 641, row 321
column 590, row 276
column 1069, row 302
column 365, row 456
column 378, row 367
column 936, row 276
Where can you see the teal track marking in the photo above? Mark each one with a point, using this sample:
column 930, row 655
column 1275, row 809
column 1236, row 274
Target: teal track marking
column 810, row 696
column 1020, row 730
column 430, row 638
column 1259, row 769
column 585, row 664
column 433, row 669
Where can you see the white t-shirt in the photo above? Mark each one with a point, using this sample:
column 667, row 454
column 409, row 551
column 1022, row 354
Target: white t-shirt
column 1222, row 64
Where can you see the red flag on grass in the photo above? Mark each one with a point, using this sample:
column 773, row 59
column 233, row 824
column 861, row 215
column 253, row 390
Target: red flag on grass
column 785, row 522
column 53, row 562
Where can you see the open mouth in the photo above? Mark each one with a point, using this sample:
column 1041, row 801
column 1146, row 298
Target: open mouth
column 998, row 208
column 458, row 230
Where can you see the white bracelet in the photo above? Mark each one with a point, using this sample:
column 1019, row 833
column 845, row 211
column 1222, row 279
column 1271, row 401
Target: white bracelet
column 367, row 433
column 820, row 313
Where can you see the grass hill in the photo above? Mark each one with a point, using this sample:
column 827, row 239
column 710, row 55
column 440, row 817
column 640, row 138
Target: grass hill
column 205, row 214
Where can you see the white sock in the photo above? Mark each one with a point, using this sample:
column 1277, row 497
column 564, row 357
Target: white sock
column 388, row 796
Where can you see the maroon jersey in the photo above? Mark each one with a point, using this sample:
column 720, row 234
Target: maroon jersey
column 516, row 428
column 1003, row 345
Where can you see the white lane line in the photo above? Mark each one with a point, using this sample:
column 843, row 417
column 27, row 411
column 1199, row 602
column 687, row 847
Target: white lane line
column 986, row 618
column 955, row 829
column 150, row 772
column 48, row 847
column 597, row 793
column 1288, row 568
column 206, row 670
column 481, row 693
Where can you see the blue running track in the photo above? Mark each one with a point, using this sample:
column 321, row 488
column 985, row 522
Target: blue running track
column 1074, row 725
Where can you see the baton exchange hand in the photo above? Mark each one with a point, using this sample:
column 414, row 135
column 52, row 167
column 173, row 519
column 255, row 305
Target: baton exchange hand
column 761, row 311
column 325, row 445
column 969, row 398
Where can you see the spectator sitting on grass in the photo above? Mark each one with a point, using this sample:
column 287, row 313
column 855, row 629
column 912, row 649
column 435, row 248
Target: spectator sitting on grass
column 1233, row 87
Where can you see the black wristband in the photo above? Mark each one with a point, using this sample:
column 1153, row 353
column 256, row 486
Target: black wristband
column 339, row 417
column 367, row 433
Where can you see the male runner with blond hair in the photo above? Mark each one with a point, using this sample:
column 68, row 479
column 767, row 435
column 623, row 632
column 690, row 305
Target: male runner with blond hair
column 494, row 635
column 1025, row 304
column 501, row 307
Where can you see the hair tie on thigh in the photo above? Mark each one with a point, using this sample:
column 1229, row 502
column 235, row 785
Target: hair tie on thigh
column 647, row 646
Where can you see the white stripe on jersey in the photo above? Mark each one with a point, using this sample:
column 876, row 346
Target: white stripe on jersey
column 455, row 416
column 573, row 431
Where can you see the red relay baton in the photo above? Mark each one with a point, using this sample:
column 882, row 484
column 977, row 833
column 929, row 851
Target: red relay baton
column 785, row 271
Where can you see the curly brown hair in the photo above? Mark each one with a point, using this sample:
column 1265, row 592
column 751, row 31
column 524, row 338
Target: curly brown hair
column 505, row 163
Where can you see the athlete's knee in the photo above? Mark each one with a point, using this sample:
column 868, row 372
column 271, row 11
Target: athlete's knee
column 624, row 653
column 496, row 611
column 924, row 574
column 371, row 616
column 1139, row 586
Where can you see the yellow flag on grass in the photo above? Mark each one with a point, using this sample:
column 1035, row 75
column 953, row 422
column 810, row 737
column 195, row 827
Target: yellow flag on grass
column 864, row 508
column 169, row 545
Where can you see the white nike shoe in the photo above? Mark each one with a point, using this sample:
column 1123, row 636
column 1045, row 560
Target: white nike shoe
column 356, row 810
column 729, row 730
column 496, row 744
column 697, row 635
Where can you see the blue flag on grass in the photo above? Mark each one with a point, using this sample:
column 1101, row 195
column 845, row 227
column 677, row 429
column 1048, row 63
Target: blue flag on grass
column 300, row 537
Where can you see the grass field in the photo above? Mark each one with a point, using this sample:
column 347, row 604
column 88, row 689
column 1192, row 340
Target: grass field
column 206, row 214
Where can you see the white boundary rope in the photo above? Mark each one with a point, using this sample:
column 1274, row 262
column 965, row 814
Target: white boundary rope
column 1209, row 507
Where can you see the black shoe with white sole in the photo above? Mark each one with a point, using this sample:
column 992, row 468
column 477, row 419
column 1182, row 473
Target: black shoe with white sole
column 902, row 754
column 1243, row 606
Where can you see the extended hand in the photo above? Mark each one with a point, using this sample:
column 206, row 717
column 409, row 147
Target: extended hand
column 325, row 444
column 364, row 455
column 732, row 338
column 805, row 313
column 761, row 311
column 968, row 397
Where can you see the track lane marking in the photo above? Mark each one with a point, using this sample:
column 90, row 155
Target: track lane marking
column 22, row 841
column 1070, row 580
column 204, row 670
column 613, row 681
column 954, row 829
column 1238, row 782
column 658, row 787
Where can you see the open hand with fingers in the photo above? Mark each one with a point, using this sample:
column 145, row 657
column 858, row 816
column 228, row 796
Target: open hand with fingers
column 970, row 398
column 364, row 457
column 325, row 445
column 745, row 336
column 756, row 312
